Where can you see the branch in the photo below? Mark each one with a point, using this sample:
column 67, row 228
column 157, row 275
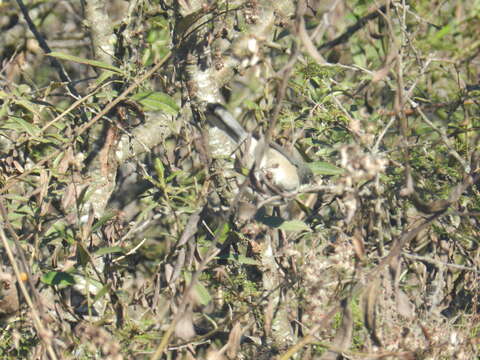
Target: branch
column 81, row 130
column 351, row 30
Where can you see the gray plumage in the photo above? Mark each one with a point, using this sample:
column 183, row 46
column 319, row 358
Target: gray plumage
column 285, row 170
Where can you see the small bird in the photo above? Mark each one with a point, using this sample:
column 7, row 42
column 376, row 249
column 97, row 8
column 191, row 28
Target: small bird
column 282, row 169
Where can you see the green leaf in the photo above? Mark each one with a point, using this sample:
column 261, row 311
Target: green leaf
column 109, row 250
column 294, row 225
column 324, row 168
column 157, row 101
column 20, row 125
column 444, row 31
column 222, row 233
column 201, row 291
column 28, row 105
column 105, row 75
column 104, row 290
column 240, row 259
column 103, row 220
column 55, row 138
column 160, row 171
column 83, row 256
column 57, row 278
column 94, row 63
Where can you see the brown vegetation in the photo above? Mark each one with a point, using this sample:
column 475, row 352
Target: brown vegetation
column 125, row 235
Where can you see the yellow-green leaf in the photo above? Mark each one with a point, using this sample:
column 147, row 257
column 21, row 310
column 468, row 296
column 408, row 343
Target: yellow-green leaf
column 57, row 278
column 157, row 101
column 94, row 63
column 324, row 168
column 20, row 125
column 294, row 225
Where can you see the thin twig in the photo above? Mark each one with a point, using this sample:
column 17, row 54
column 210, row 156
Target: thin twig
column 185, row 300
column 351, row 30
column 441, row 132
column 20, row 253
column 89, row 124
column 43, row 333
column 359, row 288
column 382, row 134
column 59, row 117
column 440, row 263
column 132, row 251
column 56, row 64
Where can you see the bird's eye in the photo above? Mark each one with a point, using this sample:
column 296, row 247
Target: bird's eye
column 269, row 175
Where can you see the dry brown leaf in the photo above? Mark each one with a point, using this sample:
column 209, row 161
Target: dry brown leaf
column 43, row 184
column 404, row 307
column 168, row 271
column 184, row 328
column 269, row 317
column 190, row 229
column 69, row 196
column 358, row 245
column 214, row 354
column 369, row 311
column 178, row 266
column 67, row 159
column 234, row 341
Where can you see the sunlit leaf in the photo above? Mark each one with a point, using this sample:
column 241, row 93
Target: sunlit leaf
column 240, row 259
column 103, row 220
column 222, row 233
column 157, row 101
column 57, row 278
column 94, row 63
column 202, row 294
column 20, row 125
column 109, row 250
column 294, row 225
column 324, row 168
